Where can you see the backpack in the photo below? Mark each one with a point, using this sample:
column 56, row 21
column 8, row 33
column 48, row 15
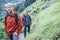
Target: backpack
column 15, row 15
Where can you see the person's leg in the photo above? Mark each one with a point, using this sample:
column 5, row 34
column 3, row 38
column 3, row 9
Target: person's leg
column 28, row 28
column 25, row 31
column 15, row 37
column 10, row 36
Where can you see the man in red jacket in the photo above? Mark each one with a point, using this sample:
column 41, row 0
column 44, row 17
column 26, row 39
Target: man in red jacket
column 13, row 22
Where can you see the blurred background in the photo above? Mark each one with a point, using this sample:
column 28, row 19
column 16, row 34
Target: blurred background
column 45, row 16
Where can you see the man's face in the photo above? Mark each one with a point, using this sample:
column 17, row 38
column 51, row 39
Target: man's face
column 25, row 14
column 9, row 8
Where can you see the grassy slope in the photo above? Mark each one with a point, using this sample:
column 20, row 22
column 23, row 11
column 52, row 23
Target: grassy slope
column 46, row 23
column 2, row 33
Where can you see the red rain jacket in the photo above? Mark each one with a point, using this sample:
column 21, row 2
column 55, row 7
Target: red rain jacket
column 10, row 25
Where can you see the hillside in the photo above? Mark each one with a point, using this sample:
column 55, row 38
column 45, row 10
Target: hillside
column 46, row 23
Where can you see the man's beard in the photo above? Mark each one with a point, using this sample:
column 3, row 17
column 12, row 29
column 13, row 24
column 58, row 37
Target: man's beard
column 10, row 11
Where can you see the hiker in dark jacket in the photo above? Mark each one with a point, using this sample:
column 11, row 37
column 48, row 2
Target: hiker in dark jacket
column 13, row 22
column 26, row 22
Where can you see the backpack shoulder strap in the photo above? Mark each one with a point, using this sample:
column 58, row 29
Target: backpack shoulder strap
column 6, row 16
column 16, row 18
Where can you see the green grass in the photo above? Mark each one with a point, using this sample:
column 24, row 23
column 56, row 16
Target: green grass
column 46, row 23
column 2, row 33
